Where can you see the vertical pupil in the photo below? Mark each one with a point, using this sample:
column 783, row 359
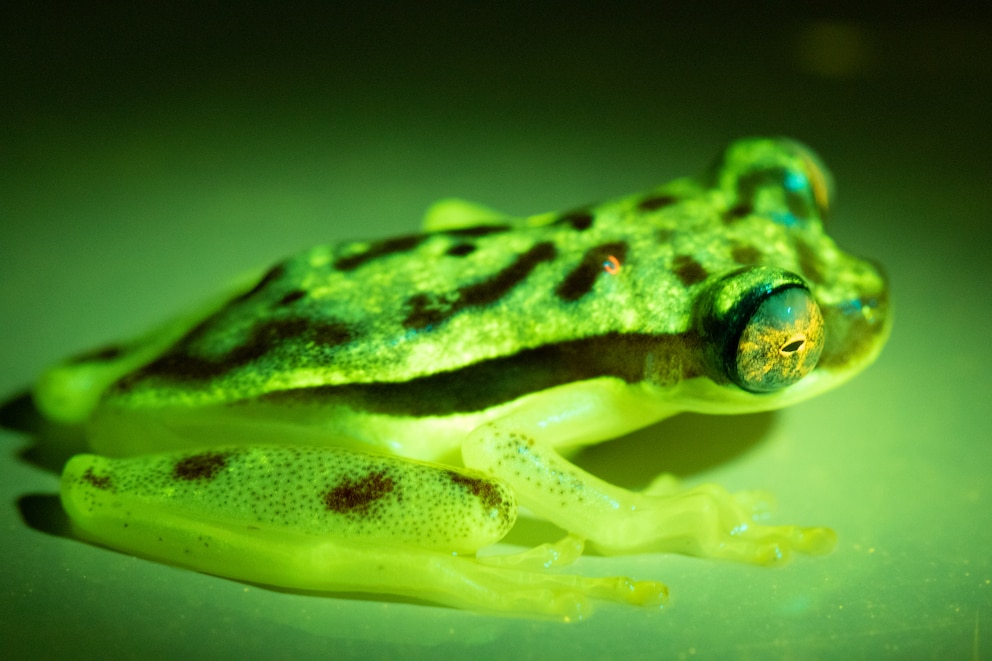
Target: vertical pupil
column 793, row 346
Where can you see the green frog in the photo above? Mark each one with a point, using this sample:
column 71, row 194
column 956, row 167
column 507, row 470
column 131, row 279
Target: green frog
column 367, row 415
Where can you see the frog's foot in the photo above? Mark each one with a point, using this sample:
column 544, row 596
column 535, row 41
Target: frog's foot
column 565, row 595
column 665, row 484
column 705, row 521
column 708, row 521
column 562, row 553
column 727, row 525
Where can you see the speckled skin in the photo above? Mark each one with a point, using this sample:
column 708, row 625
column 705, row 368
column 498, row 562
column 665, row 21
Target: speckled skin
column 499, row 341
column 313, row 491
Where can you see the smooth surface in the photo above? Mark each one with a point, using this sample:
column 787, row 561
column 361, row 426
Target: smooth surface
column 149, row 159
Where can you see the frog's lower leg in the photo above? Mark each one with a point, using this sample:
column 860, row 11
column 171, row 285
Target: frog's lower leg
column 704, row 521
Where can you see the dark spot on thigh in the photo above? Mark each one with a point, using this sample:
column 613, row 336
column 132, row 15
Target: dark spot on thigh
column 204, row 466
column 358, row 496
column 101, row 482
column 488, row 493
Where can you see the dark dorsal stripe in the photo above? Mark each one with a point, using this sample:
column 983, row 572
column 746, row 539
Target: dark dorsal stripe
column 578, row 220
column 657, row 202
column 426, row 311
column 102, row 355
column 179, row 365
column 499, row 380
column 379, row 249
column 688, row 270
column 410, row 242
column 272, row 275
column 477, row 230
column 460, row 250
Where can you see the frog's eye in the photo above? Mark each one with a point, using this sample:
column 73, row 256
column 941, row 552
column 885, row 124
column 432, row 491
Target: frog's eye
column 780, row 342
column 777, row 178
column 765, row 327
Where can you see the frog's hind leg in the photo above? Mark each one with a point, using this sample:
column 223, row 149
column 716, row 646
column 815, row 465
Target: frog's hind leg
column 329, row 519
column 704, row 521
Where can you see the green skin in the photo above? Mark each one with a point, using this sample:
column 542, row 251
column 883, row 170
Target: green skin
column 367, row 415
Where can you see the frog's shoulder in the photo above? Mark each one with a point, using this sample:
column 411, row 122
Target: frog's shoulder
column 453, row 214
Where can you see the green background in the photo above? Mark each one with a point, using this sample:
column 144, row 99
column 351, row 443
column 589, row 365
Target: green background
column 150, row 152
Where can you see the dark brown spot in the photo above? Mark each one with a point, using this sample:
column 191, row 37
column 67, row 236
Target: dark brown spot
column 583, row 277
column 488, row 493
column 357, row 496
column 379, row 249
column 204, row 466
column 426, row 311
column 496, row 287
column 745, row 255
column 292, row 297
column 328, row 335
column 273, row 274
column 688, row 270
column 102, row 355
column 578, row 220
column 657, row 202
column 736, row 212
column 182, row 365
column 478, row 230
column 101, row 482
column 460, row 250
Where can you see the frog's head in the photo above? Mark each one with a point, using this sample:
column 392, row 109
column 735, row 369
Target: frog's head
column 801, row 319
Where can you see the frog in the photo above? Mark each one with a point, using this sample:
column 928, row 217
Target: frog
column 371, row 416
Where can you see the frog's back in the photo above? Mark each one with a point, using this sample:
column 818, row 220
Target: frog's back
column 472, row 317
column 548, row 300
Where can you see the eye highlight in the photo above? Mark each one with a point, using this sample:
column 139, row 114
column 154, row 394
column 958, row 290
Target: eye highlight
column 780, row 342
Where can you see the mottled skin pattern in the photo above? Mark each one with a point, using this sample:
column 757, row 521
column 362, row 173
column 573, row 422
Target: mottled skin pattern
column 496, row 342
column 428, row 304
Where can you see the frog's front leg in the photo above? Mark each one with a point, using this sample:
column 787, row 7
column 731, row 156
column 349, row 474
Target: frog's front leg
column 705, row 521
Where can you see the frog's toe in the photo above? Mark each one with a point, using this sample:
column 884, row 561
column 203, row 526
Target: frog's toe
column 562, row 553
column 772, row 545
column 663, row 485
column 759, row 503
column 816, row 541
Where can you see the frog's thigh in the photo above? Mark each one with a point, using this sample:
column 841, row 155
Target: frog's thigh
column 704, row 521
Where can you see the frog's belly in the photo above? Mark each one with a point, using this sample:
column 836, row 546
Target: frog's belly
column 566, row 416
column 121, row 431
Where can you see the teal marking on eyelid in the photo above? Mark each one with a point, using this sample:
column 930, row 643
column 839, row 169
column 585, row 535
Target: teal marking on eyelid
column 796, row 181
